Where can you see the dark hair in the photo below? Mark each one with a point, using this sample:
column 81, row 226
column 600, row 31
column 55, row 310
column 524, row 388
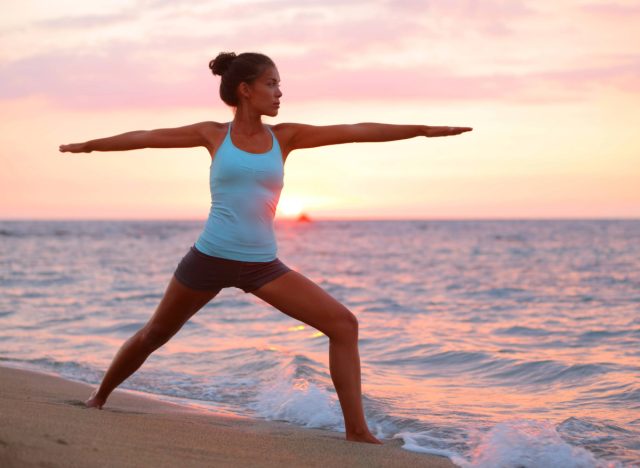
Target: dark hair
column 235, row 69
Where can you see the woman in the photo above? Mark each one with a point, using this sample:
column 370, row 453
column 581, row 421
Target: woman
column 237, row 246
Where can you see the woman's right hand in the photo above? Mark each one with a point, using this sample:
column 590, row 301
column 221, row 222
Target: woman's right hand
column 446, row 131
column 74, row 148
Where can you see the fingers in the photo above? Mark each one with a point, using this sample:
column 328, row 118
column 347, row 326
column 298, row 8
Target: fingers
column 73, row 148
column 447, row 131
column 457, row 130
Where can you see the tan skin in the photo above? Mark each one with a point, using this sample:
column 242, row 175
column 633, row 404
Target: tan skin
column 292, row 293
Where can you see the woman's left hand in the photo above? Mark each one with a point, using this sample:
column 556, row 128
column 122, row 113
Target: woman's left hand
column 74, row 148
column 445, row 131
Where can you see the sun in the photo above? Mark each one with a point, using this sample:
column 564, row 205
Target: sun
column 290, row 207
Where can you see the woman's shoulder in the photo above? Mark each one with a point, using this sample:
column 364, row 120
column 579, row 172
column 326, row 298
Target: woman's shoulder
column 285, row 130
column 212, row 126
column 214, row 133
column 284, row 126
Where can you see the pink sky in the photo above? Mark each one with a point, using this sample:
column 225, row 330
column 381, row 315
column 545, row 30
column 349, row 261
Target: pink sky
column 552, row 90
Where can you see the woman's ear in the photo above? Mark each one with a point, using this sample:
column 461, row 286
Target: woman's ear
column 244, row 90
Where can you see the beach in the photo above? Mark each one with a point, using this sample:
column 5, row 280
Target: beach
column 45, row 423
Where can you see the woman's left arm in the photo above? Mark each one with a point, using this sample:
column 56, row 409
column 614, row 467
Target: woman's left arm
column 312, row 136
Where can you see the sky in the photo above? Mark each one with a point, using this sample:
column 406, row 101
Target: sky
column 551, row 89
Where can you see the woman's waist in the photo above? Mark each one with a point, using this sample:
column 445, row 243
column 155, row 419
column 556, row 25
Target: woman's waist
column 230, row 224
column 238, row 237
column 235, row 250
column 247, row 213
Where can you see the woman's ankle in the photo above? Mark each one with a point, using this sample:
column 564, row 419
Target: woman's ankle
column 96, row 400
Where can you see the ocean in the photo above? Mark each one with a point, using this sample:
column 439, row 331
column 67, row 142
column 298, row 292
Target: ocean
column 508, row 343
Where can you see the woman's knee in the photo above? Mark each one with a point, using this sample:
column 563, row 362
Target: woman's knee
column 152, row 336
column 345, row 328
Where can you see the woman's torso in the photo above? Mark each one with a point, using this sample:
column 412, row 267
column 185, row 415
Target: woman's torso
column 245, row 189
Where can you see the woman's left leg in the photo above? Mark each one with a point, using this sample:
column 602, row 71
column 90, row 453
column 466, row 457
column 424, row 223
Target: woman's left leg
column 302, row 299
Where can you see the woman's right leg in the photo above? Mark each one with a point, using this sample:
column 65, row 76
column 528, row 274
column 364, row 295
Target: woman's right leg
column 178, row 305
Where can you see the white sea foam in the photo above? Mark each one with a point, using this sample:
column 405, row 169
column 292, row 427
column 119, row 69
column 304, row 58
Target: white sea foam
column 298, row 401
column 423, row 442
column 526, row 444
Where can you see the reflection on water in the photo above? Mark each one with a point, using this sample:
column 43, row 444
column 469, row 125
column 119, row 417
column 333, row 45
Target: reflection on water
column 482, row 341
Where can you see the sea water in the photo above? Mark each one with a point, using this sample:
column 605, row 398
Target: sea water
column 494, row 343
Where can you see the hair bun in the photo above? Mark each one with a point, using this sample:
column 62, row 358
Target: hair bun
column 221, row 63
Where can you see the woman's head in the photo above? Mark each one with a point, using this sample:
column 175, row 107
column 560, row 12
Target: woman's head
column 252, row 72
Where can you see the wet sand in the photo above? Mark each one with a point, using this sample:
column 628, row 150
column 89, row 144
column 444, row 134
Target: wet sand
column 44, row 423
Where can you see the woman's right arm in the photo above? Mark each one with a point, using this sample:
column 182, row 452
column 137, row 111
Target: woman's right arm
column 180, row 137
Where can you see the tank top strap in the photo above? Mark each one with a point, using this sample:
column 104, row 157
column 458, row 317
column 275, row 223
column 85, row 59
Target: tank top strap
column 275, row 146
column 227, row 137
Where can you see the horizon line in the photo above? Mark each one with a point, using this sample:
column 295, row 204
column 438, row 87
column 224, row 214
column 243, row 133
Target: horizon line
column 324, row 219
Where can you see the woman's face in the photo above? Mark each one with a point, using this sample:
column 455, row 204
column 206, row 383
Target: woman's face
column 264, row 93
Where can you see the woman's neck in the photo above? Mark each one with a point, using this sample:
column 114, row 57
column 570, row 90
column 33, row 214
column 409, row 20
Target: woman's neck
column 246, row 122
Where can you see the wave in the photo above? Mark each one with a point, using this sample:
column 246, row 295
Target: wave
column 526, row 443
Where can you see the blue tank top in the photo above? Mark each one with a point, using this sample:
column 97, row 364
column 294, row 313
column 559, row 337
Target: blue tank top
column 245, row 189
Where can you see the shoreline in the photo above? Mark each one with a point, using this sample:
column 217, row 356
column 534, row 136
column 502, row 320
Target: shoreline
column 45, row 423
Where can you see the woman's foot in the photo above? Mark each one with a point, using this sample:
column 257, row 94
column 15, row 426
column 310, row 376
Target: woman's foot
column 94, row 401
column 365, row 436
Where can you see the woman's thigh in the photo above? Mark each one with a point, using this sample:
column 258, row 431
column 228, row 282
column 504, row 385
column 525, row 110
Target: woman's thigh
column 178, row 305
column 297, row 296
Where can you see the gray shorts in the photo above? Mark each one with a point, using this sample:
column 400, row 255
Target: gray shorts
column 198, row 270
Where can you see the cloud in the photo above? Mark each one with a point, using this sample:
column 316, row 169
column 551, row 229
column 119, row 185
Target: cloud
column 623, row 75
column 87, row 21
column 115, row 79
column 389, row 51
column 611, row 9
column 111, row 79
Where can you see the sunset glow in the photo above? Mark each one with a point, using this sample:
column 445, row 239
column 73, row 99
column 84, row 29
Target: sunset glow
column 552, row 90
column 290, row 207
